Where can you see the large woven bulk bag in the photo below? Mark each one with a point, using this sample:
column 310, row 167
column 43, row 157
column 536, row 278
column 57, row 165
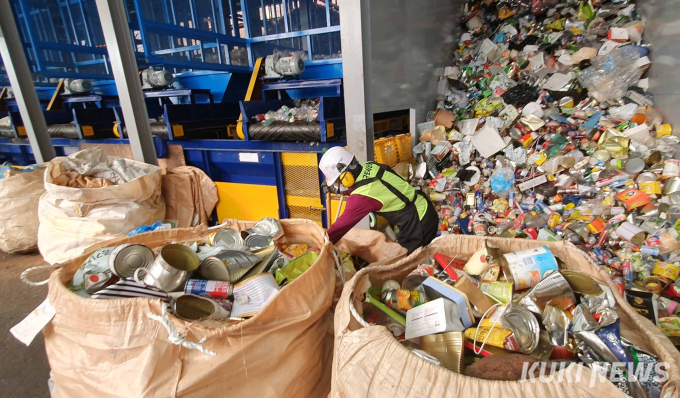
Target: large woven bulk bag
column 72, row 219
column 112, row 348
column 19, row 196
column 369, row 362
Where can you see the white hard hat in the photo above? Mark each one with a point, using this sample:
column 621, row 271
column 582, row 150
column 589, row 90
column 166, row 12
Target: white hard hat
column 330, row 160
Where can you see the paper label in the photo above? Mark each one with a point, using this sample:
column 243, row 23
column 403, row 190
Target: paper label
column 26, row 330
column 248, row 157
column 426, row 319
column 251, row 295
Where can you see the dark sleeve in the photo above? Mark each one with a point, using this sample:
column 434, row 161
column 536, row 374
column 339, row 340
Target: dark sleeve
column 356, row 208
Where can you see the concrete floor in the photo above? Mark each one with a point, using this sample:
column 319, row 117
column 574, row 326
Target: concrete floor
column 23, row 370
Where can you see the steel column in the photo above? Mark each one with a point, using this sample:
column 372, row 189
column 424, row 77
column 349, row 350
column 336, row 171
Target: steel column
column 124, row 65
column 355, row 35
column 19, row 74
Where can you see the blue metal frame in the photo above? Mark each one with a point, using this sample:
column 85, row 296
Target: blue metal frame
column 56, row 55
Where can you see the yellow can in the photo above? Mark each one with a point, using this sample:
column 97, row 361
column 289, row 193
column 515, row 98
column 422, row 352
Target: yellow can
column 497, row 335
column 666, row 270
column 651, row 187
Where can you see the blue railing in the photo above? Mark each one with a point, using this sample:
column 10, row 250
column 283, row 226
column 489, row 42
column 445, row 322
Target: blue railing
column 64, row 38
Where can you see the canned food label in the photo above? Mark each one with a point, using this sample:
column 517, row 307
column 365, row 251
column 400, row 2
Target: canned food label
column 528, row 267
column 216, row 289
column 670, row 271
column 671, row 168
column 651, row 187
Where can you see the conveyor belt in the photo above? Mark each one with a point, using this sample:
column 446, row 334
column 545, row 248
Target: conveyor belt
column 286, row 131
column 54, row 130
column 67, row 130
column 159, row 129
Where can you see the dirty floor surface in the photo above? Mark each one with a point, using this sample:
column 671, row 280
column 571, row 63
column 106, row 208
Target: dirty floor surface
column 23, row 370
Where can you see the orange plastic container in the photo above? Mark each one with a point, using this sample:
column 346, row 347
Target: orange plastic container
column 404, row 153
column 386, row 151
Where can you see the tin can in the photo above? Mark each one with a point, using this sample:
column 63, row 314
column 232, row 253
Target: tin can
column 403, row 300
column 527, row 267
column 214, row 289
column 479, row 228
column 125, row 259
column 631, row 233
column 447, row 347
column 627, row 270
column 194, row 308
column 671, row 168
column 526, row 140
column 666, row 270
column 416, row 277
column 227, row 237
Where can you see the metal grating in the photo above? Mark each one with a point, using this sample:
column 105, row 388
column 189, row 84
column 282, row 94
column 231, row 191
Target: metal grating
column 302, row 186
column 326, row 46
column 62, row 37
column 262, row 49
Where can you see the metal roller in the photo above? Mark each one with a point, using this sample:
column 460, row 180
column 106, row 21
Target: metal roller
column 286, row 131
column 159, row 129
column 63, row 131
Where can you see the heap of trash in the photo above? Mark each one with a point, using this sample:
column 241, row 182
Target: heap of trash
column 544, row 130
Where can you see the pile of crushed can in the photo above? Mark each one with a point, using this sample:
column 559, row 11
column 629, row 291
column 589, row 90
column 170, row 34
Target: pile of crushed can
column 544, row 130
column 492, row 315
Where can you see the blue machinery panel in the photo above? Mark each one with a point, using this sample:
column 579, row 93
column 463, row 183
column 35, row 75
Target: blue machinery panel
column 208, row 44
column 64, row 38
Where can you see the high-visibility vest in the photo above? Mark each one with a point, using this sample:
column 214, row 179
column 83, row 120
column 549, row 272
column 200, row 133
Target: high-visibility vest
column 379, row 182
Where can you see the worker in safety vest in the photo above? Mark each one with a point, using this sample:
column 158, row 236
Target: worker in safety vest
column 375, row 188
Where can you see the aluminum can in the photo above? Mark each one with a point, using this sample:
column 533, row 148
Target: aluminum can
column 627, row 270
column 214, row 289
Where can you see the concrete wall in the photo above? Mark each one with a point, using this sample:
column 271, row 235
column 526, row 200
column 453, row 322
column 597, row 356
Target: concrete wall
column 662, row 32
column 411, row 43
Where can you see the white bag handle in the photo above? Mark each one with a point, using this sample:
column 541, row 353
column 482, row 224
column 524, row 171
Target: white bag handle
column 176, row 337
column 24, row 275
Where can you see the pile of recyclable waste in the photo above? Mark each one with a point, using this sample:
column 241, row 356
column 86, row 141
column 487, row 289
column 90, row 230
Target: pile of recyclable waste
column 544, row 130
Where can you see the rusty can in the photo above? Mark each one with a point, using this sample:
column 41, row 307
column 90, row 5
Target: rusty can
column 403, row 300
